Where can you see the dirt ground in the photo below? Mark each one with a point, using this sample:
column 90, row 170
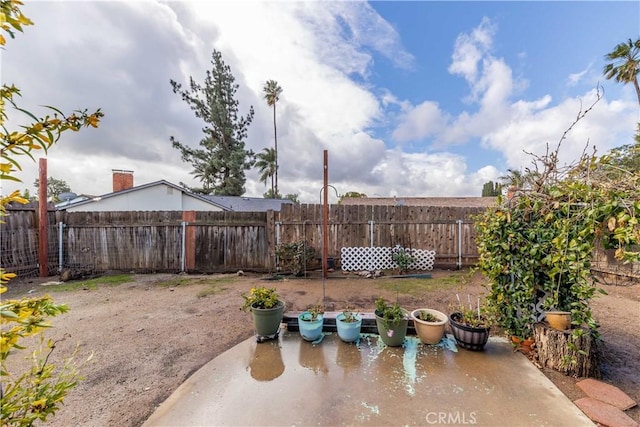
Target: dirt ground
column 150, row 334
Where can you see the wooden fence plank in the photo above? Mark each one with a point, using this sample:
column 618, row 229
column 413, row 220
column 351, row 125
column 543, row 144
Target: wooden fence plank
column 228, row 241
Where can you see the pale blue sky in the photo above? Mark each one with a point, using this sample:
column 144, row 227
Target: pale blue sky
column 410, row 98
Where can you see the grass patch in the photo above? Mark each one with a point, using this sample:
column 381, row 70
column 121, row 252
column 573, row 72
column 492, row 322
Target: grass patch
column 91, row 284
column 188, row 281
column 416, row 286
column 210, row 290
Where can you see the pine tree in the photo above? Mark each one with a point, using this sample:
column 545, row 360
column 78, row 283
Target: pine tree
column 222, row 161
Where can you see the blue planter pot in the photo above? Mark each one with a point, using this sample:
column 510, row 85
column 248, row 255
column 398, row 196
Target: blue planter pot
column 348, row 331
column 310, row 330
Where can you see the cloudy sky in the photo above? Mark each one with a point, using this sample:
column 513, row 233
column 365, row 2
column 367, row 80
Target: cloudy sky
column 409, row 98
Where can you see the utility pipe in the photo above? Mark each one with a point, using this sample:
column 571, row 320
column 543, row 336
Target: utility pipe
column 371, row 223
column 278, row 224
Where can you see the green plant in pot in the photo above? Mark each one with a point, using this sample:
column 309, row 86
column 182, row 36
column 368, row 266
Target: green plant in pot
column 429, row 324
column 470, row 326
column 392, row 322
column 310, row 322
column 266, row 308
column 348, row 325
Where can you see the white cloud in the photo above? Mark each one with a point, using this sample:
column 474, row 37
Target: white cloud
column 421, row 174
column 511, row 127
column 120, row 56
column 575, row 78
column 469, row 50
column 533, row 127
column 420, row 122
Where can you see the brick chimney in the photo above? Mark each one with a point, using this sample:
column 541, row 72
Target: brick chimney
column 122, row 180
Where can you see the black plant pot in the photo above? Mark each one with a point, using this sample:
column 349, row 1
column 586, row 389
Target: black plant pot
column 468, row 337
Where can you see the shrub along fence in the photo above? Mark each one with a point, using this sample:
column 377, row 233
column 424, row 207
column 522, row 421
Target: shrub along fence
column 174, row 241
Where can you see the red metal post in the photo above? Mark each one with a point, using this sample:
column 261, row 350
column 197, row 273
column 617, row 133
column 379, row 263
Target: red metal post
column 325, row 216
column 43, row 221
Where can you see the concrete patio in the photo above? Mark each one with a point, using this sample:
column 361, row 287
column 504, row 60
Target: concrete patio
column 289, row 381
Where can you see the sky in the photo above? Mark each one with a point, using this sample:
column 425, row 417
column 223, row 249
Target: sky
column 417, row 98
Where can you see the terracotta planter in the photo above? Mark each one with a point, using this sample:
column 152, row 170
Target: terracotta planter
column 468, row 337
column 429, row 332
column 560, row 320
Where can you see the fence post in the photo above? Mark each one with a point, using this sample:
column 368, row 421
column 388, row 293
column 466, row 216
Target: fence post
column 189, row 240
column 270, row 233
column 459, row 243
column 60, row 251
column 183, row 246
column 43, row 221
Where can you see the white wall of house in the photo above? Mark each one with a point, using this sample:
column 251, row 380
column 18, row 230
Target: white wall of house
column 190, row 203
column 159, row 197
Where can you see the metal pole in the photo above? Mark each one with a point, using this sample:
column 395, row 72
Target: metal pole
column 184, row 246
column 459, row 243
column 278, row 224
column 371, row 223
column 325, row 220
column 43, row 221
column 60, row 252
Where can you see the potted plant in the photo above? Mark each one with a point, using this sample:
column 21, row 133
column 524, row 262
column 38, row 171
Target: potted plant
column 266, row 308
column 560, row 320
column 429, row 324
column 392, row 322
column 470, row 326
column 556, row 303
column 310, row 322
column 348, row 325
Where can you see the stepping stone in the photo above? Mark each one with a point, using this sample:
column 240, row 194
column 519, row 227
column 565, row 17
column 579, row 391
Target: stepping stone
column 604, row 414
column 606, row 393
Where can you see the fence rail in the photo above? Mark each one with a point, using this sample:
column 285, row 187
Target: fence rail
column 167, row 241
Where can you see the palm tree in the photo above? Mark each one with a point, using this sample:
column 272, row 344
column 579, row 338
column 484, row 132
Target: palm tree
column 266, row 164
column 272, row 93
column 626, row 64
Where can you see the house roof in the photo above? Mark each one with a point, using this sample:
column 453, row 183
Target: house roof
column 77, row 199
column 469, row 202
column 141, row 187
column 248, row 204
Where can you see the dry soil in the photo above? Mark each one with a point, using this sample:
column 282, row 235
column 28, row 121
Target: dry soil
column 151, row 333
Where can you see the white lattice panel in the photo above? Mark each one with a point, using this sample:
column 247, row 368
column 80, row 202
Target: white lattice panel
column 379, row 258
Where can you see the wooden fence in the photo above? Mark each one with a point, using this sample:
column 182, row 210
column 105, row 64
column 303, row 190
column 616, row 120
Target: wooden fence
column 229, row 241
column 447, row 231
